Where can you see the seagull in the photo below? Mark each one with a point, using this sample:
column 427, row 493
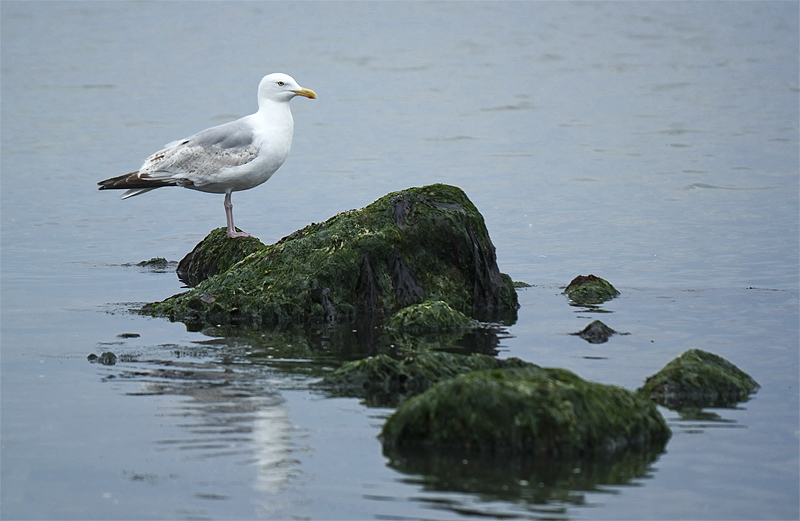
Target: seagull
column 227, row 158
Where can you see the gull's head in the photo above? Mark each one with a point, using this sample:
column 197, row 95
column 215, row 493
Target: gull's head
column 281, row 87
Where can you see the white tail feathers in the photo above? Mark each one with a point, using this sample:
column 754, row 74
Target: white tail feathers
column 136, row 191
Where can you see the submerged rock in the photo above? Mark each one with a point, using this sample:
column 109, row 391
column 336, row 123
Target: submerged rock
column 427, row 243
column 596, row 333
column 590, row 290
column 430, row 316
column 105, row 358
column 154, row 263
column 215, row 254
column 699, row 379
column 530, row 410
column 385, row 381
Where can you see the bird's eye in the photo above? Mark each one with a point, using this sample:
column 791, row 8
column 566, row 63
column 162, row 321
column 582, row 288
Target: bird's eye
column 281, row 84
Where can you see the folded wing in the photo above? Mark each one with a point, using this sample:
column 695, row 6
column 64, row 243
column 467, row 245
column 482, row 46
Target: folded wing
column 192, row 161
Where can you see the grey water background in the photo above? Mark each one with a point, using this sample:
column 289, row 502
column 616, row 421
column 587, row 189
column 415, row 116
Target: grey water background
column 654, row 144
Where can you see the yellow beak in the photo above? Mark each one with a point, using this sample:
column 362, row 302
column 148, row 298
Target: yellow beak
column 308, row 93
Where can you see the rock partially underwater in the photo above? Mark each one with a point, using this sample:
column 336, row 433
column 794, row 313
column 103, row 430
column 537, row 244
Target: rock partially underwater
column 427, row 243
column 528, row 410
column 596, row 333
column 699, row 379
column 385, row 381
column 590, row 290
column 430, row 316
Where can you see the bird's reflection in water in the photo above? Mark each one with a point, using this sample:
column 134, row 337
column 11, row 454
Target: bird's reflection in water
column 232, row 412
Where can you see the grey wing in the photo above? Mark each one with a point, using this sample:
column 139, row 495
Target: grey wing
column 194, row 159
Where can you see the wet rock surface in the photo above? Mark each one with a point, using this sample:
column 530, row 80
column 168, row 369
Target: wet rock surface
column 699, row 379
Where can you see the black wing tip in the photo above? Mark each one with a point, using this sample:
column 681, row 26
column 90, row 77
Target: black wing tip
column 115, row 182
column 132, row 181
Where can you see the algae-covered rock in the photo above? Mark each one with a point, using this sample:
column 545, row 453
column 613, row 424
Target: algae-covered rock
column 590, row 290
column 385, row 381
column 156, row 263
column 699, row 379
column 429, row 316
column 215, row 254
column 427, row 243
column 596, row 333
column 531, row 410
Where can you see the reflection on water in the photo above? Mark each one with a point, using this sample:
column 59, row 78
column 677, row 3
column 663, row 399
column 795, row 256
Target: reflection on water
column 230, row 412
column 529, row 483
column 692, row 420
column 233, row 411
column 341, row 342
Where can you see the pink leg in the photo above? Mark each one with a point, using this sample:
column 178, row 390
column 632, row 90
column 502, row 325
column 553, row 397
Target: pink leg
column 229, row 216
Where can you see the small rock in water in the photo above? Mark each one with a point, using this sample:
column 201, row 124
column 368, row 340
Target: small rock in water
column 595, row 333
column 155, row 262
column 106, row 358
column 699, row 379
column 590, row 290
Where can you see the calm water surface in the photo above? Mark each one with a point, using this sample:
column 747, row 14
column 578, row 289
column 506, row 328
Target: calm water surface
column 654, row 144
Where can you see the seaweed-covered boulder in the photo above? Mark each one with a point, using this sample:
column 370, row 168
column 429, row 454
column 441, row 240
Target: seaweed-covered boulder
column 385, row 381
column 590, row 290
column 532, row 410
column 699, row 379
column 215, row 254
column 427, row 243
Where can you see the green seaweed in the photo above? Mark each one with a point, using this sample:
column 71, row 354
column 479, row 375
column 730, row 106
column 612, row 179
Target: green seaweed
column 430, row 316
column 154, row 263
column 427, row 243
column 215, row 254
column 699, row 379
column 531, row 410
column 385, row 381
